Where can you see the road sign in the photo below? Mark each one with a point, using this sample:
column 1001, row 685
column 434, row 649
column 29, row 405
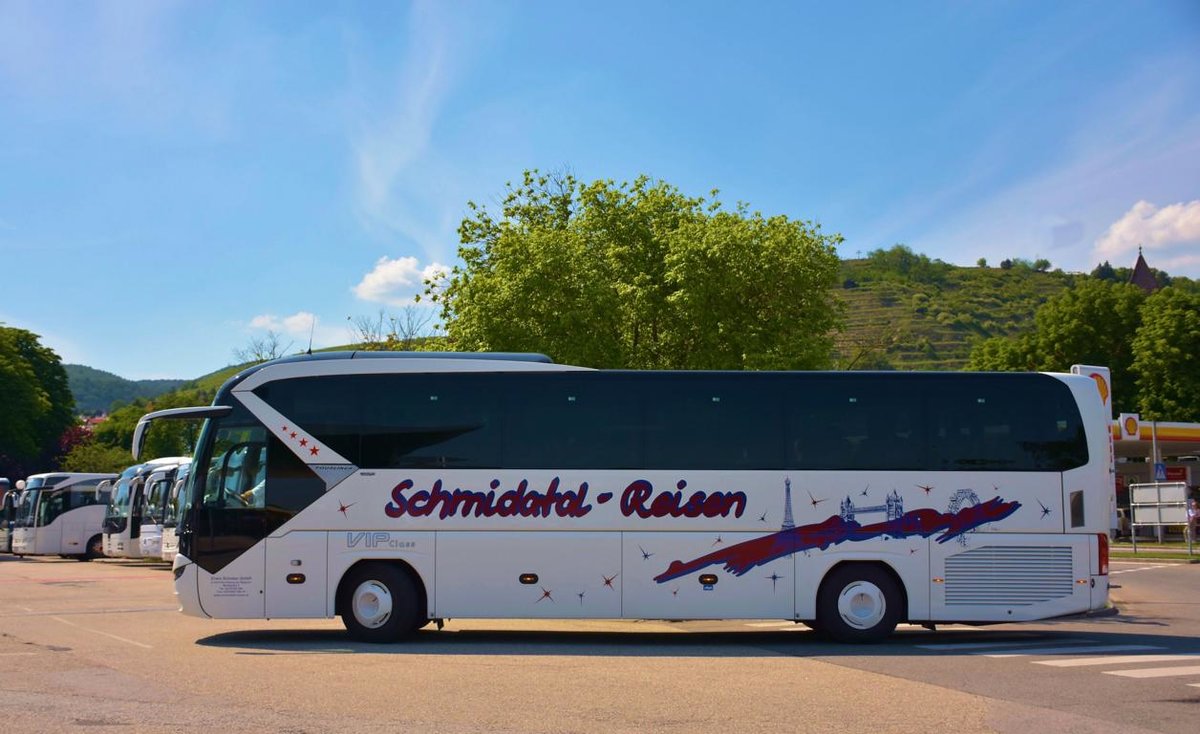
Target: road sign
column 1160, row 472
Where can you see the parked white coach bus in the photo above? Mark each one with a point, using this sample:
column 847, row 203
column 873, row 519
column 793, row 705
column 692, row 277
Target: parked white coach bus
column 405, row 488
column 10, row 496
column 176, row 505
column 156, row 496
column 123, row 518
column 61, row 514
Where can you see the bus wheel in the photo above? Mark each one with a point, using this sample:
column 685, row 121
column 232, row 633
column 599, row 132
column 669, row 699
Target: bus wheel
column 858, row 603
column 95, row 549
column 380, row 603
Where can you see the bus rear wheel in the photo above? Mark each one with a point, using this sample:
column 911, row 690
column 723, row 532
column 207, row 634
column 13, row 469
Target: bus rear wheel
column 859, row 603
column 380, row 603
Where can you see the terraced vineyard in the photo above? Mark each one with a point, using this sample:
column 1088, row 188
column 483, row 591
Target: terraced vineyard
column 931, row 321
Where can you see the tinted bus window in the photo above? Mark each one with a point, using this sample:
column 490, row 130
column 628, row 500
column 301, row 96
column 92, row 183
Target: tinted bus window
column 572, row 421
column 700, row 421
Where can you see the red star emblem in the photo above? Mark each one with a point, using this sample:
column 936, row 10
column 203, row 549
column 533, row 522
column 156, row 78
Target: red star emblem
column 314, row 451
column 293, row 434
column 304, row 442
column 284, row 429
column 608, row 581
column 342, row 508
column 545, row 595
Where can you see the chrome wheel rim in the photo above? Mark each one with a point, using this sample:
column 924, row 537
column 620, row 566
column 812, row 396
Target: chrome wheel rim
column 862, row 605
column 372, row 604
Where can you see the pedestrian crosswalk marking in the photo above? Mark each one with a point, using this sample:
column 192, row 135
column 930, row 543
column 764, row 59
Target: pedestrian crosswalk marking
column 1156, row 672
column 953, row 646
column 1068, row 650
column 1117, row 660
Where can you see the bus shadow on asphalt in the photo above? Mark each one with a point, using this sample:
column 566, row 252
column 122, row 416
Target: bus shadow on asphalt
column 700, row 644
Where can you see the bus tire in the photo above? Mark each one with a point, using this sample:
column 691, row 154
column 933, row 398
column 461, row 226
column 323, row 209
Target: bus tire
column 859, row 603
column 380, row 603
column 95, row 549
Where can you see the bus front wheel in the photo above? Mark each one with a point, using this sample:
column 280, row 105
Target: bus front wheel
column 95, row 549
column 859, row 603
column 380, row 603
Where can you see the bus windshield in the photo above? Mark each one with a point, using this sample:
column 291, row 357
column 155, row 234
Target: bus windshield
column 25, row 511
column 118, row 504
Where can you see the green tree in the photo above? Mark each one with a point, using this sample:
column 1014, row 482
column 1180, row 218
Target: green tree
column 638, row 275
column 1165, row 362
column 1093, row 322
column 36, row 406
column 93, row 456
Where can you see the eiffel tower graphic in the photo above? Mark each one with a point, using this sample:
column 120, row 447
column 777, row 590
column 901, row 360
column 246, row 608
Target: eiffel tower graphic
column 788, row 523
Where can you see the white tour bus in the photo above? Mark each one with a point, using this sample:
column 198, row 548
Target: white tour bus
column 10, row 497
column 155, row 497
column 61, row 514
column 176, row 504
column 405, row 488
column 123, row 518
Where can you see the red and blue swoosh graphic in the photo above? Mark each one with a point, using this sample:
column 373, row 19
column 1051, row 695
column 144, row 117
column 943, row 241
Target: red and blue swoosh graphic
column 740, row 558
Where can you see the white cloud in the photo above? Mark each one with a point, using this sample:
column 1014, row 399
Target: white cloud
column 298, row 326
column 395, row 282
column 1152, row 227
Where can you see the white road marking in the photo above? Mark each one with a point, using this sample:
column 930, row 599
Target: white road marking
column 1140, row 568
column 1068, row 650
column 953, row 646
column 98, row 632
column 1156, row 672
column 1117, row 660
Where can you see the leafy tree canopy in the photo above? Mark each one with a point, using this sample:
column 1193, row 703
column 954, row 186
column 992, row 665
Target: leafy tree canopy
column 1165, row 356
column 1149, row 343
column 36, row 406
column 638, row 275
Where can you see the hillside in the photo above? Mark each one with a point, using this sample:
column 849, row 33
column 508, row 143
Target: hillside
column 929, row 315
column 96, row 390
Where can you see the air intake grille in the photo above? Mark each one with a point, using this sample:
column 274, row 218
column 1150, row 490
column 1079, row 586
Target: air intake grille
column 1009, row 576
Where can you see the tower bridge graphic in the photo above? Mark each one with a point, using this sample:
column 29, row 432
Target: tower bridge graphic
column 893, row 507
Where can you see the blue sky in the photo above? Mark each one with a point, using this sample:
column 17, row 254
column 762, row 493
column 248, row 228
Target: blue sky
column 176, row 178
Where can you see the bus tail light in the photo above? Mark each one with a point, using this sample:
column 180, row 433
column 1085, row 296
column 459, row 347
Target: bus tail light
column 1103, row 540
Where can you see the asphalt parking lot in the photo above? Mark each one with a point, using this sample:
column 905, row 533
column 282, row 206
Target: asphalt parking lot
column 101, row 647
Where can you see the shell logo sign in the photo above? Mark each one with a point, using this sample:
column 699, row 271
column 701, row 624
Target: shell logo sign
column 1102, row 384
column 1102, row 377
column 1131, row 429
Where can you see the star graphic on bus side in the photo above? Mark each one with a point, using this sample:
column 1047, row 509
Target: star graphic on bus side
column 608, row 580
column 675, row 591
column 314, row 451
column 1045, row 510
column 342, row 508
column 304, row 442
column 581, row 597
column 545, row 595
column 774, row 579
column 762, row 517
column 814, row 500
column 865, row 491
column 927, row 489
column 293, row 434
column 718, row 541
column 645, row 555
